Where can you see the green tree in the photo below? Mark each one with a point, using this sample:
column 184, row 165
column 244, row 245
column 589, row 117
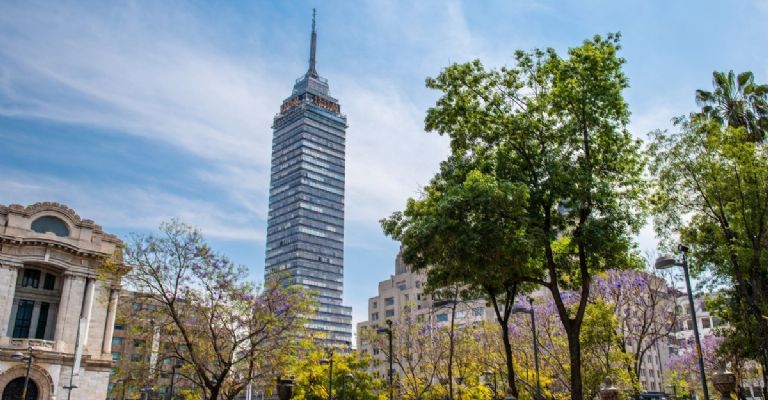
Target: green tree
column 419, row 351
column 351, row 380
column 738, row 102
column 712, row 192
column 468, row 229
column 547, row 136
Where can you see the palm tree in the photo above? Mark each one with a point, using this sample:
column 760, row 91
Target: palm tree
column 737, row 102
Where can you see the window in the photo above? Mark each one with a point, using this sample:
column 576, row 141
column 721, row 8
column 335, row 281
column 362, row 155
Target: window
column 478, row 312
column 116, row 355
column 418, row 284
column 50, row 282
column 31, row 278
column 461, row 314
column 375, row 304
column 389, row 301
column 401, row 285
column 23, row 319
column 442, row 317
column 389, row 313
column 117, row 341
column 136, row 306
column 406, row 297
column 706, row 323
column 50, row 224
column 138, row 342
column 42, row 321
column 135, row 357
column 375, row 316
column 119, row 327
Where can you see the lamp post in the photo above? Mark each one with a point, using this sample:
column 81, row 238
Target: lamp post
column 530, row 310
column 176, row 364
column 388, row 331
column 284, row 388
column 347, row 379
column 329, row 362
column 487, row 375
column 666, row 262
column 28, row 359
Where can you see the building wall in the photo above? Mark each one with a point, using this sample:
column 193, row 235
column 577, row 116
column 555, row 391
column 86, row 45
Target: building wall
column 403, row 293
column 53, row 240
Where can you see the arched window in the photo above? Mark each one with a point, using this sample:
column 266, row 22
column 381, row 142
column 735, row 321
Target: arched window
column 50, row 224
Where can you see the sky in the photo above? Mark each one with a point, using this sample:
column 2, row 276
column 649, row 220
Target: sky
column 135, row 112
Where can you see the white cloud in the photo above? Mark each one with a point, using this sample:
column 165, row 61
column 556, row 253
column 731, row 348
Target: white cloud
column 129, row 207
column 119, row 73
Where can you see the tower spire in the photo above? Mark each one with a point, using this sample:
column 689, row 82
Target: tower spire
column 312, row 49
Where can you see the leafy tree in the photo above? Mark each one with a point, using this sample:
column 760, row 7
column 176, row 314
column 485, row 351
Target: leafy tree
column 685, row 364
column 351, row 381
column 418, row 350
column 737, row 101
column 601, row 354
column 468, row 230
column 712, row 192
column 546, row 137
column 226, row 332
column 644, row 308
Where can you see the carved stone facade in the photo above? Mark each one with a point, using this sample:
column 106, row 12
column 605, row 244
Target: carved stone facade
column 54, row 294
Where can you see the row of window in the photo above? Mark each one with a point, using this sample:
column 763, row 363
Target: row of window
column 24, row 326
column 331, row 138
column 31, row 278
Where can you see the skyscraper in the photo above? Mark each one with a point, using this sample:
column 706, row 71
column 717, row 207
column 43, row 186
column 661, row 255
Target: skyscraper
column 305, row 227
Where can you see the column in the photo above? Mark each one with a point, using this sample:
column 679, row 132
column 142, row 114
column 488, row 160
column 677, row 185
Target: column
column 8, row 275
column 109, row 329
column 90, row 284
column 61, row 313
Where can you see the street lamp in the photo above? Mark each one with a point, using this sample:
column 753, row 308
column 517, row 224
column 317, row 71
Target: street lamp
column 530, row 310
column 329, row 362
column 388, row 331
column 666, row 262
column 347, row 379
column 487, row 375
column 28, row 359
column 176, row 364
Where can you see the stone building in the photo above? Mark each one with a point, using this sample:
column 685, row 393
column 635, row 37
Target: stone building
column 54, row 296
column 403, row 293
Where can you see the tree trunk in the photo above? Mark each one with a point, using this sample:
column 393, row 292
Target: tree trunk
column 451, row 343
column 508, row 358
column 574, row 350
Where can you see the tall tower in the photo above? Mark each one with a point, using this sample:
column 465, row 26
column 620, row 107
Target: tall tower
column 305, row 227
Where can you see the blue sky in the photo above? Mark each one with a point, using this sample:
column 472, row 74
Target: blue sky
column 136, row 112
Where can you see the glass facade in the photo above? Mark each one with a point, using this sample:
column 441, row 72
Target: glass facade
column 305, row 227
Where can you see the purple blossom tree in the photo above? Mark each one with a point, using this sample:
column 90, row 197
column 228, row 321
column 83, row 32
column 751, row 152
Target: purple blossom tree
column 685, row 364
column 645, row 308
column 225, row 331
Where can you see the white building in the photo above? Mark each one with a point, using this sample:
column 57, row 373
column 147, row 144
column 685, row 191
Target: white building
column 53, row 295
column 404, row 293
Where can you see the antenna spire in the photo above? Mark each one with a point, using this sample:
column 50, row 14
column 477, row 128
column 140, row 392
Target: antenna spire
column 313, row 49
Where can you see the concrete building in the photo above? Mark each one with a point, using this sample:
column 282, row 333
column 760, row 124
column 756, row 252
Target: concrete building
column 305, row 226
column 56, row 301
column 403, row 293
